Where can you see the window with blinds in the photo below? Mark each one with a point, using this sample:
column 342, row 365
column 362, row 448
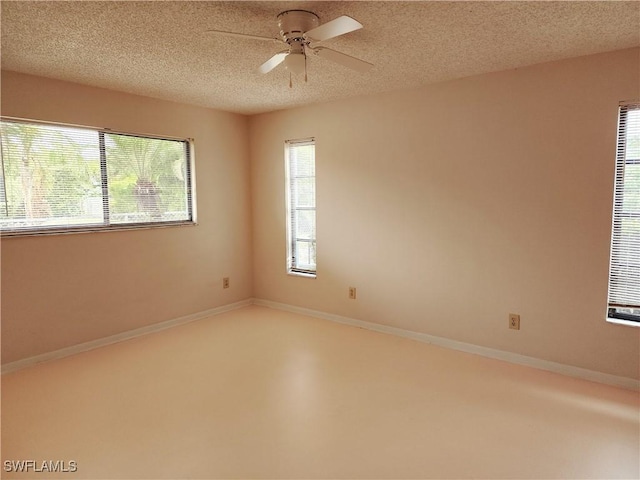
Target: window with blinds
column 624, row 271
column 59, row 179
column 301, row 206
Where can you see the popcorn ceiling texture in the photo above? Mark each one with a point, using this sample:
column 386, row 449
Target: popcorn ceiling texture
column 158, row 49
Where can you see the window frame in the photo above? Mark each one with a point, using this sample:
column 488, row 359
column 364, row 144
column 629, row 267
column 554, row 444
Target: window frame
column 105, row 226
column 292, row 266
column 613, row 314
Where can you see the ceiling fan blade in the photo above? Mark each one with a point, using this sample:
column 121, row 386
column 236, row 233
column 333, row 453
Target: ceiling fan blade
column 343, row 59
column 273, row 62
column 242, row 35
column 334, row 28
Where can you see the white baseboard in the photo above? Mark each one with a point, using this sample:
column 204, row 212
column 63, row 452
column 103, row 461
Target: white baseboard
column 120, row 337
column 569, row 370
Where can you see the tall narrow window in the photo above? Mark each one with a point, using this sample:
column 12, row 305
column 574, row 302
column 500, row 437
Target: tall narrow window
column 57, row 178
column 301, row 206
column 624, row 272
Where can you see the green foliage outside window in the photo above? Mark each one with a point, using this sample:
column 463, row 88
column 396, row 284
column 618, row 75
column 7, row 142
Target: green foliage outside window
column 54, row 176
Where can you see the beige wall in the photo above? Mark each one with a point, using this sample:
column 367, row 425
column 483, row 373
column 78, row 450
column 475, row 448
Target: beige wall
column 452, row 205
column 62, row 290
column 447, row 207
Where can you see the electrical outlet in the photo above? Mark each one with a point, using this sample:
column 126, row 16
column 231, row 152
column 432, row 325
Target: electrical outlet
column 352, row 293
column 514, row 321
column 225, row 282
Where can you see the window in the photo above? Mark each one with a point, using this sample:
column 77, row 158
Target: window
column 624, row 271
column 301, row 206
column 58, row 179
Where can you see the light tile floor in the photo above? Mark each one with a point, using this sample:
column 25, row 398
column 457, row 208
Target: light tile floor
column 261, row 393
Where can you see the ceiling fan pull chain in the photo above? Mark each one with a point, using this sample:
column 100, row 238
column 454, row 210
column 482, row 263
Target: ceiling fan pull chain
column 305, row 69
column 290, row 82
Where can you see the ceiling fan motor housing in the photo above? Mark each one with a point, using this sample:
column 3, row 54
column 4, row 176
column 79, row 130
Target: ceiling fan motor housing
column 294, row 23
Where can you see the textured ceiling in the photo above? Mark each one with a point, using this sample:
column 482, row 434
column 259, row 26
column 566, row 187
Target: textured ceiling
column 158, row 48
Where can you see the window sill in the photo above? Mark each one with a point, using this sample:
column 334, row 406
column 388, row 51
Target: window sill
column 5, row 235
column 301, row 274
column 628, row 323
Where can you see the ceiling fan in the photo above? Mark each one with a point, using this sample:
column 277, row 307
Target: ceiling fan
column 300, row 31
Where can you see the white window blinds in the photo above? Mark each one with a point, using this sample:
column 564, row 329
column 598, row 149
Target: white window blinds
column 301, row 206
column 57, row 178
column 624, row 273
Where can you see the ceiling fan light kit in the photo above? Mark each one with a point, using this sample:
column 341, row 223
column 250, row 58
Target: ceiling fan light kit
column 295, row 63
column 300, row 31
